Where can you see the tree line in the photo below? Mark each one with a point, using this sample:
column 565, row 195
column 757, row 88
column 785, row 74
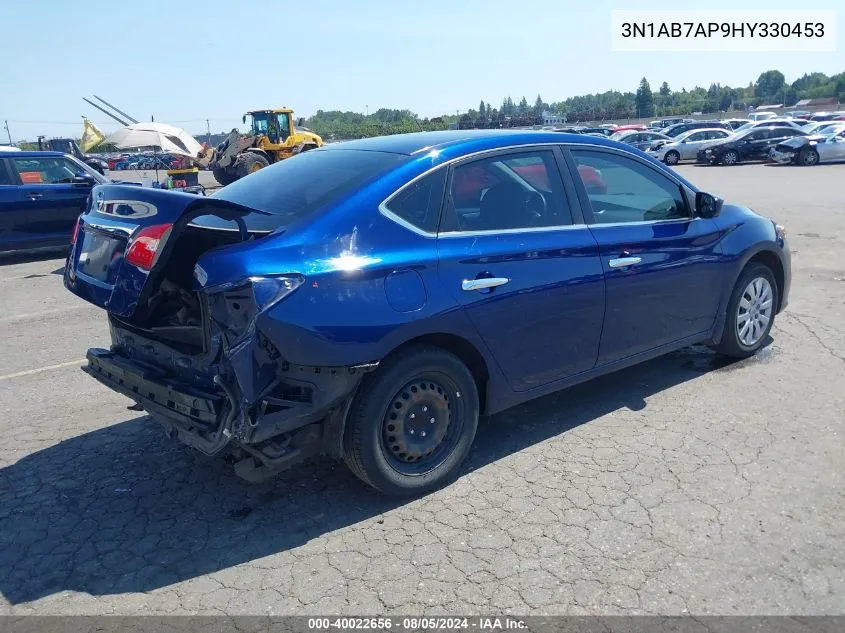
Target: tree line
column 771, row 87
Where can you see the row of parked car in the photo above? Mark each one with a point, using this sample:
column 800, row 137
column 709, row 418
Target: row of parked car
column 732, row 141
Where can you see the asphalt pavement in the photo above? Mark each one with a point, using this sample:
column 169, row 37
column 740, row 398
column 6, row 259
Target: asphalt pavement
column 682, row 486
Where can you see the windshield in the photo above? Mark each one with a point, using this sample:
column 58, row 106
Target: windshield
column 299, row 187
column 259, row 123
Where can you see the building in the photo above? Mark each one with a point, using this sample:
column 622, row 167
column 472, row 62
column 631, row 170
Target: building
column 552, row 118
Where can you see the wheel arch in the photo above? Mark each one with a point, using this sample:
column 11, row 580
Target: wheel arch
column 468, row 354
column 769, row 259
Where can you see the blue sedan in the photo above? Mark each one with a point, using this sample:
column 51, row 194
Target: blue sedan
column 41, row 196
column 370, row 300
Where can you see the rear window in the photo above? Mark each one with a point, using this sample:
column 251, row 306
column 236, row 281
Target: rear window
column 298, row 187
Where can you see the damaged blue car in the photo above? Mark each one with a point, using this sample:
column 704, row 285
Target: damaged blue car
column 370, row 300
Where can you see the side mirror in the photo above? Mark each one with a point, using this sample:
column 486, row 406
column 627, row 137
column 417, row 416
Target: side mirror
column 684, row 141
column 85, row 181
column 707, row 205
column 300, row 122
column 243, row 119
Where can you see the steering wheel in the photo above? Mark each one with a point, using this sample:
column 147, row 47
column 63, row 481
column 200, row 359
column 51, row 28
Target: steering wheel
column 535, row 207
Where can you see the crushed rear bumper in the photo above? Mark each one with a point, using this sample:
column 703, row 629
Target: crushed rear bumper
column 300, row 416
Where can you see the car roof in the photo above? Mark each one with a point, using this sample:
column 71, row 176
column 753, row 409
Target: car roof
column 469, row 140
column 25, row 154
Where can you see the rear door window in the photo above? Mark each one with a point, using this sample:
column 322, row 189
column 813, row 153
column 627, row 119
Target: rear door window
column 6, row 178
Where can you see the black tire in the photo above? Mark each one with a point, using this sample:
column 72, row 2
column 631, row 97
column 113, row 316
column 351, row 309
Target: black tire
column 380, row 424
column 808, row 157
column 731, row 345
column 251, row 163
column 672, row 158
column 224, row 176
column 730, row 158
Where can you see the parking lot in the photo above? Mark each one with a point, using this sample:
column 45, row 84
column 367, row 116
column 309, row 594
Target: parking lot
column 685, row 485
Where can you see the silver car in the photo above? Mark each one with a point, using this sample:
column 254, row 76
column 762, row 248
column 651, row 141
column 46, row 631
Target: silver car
column 687, row 145
column 812, row 150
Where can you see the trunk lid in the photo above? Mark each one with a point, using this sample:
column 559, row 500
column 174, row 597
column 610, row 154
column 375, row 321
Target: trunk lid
column 127, row 234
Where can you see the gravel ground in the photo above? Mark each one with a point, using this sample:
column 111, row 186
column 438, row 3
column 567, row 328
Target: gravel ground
column 680, row 486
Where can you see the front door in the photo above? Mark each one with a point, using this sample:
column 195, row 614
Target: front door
column 525, row 270
column 662, row 266
column 47, row 201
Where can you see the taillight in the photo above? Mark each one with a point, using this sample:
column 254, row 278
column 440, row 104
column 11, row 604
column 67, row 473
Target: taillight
column 75, row 230
column 146, row 245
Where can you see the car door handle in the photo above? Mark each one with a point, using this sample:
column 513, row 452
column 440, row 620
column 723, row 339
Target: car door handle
column 624, row 262
column 34, row 195
column 481, row 284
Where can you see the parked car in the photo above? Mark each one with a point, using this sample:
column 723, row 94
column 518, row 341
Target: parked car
column 597, row 130
column 633, row 127
column 826, row 116
column 662, row 124
column 41, row 196
column 811, row 150
column 797, row 114
column 687, row 145
column 341, row 303
column 735, row 123
column 761, row 116
column 640, row 140
column 753, row 144
column 818, row 127
column 676, row 130
column 797, row 124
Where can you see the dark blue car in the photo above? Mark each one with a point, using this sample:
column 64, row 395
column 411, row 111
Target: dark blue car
column 370, row 299
column 41, row 196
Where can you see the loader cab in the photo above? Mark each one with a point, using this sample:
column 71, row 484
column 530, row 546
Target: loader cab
column 276, row 126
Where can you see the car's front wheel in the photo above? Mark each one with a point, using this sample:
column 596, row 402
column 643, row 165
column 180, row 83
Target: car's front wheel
column 808, row 157
column 751, row 312
column 672, row 158
column 730, row 158
column 412, row 422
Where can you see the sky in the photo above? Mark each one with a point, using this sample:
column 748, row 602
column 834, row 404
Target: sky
column 188, row 61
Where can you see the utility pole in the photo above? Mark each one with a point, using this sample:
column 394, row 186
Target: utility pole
column 8, row 132
column 208, row 132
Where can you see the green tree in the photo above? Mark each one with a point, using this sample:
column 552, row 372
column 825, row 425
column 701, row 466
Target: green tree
column 769, row 86
column 482, row 110
column 522, row 108
column 539, row 106
column 644, row 99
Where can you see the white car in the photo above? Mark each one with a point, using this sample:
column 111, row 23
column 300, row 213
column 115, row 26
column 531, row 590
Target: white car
column 9, row 148
column 762, row 116
column 687, row 145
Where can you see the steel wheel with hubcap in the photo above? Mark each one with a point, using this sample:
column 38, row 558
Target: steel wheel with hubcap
column 672, row 158
column 412, row 422
column 754, row 311
column 750, row 313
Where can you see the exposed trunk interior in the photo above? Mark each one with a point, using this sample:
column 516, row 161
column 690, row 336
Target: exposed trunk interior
column 173, row 312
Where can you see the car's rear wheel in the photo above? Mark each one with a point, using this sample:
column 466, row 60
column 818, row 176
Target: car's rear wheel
column 412, row 422
column 751, row 312
column 730, row 158
column 672, row 158
column 808, row 157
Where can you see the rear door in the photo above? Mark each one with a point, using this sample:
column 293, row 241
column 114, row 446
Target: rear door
column 47, row 202
column 776, row 135
column 663, row 267
column 514, row 252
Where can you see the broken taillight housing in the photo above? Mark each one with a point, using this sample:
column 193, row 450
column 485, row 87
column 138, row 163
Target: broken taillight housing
column 146, row 245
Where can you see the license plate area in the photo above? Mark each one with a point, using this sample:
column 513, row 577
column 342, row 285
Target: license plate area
column 100, row 255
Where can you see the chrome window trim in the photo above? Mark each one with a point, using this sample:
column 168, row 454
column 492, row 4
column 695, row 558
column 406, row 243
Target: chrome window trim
column 388, row 214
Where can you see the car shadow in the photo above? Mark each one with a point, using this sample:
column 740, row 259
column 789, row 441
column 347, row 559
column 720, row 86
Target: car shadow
column 122, row 509
column 25, row 257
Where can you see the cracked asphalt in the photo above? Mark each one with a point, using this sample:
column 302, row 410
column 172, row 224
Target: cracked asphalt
column 682, row 486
